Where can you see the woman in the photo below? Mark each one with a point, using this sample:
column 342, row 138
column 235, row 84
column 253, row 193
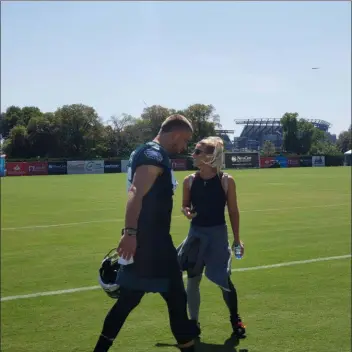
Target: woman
column 205, row 195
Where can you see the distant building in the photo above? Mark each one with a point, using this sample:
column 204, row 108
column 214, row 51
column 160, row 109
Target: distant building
column 257, row 131
column 223, row 134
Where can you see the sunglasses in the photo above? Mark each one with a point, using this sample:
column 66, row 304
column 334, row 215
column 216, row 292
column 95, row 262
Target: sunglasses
column 197, row 151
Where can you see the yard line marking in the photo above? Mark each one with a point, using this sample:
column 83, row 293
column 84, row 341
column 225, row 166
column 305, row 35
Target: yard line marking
column 175, row 216
column 251, row 268
column 59, row 225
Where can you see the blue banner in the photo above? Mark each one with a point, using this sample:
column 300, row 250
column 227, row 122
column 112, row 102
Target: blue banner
column 2, row 166
column 282, row 160
column 57, row 168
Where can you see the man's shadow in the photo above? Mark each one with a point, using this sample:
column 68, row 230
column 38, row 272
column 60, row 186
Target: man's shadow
column 228, row 346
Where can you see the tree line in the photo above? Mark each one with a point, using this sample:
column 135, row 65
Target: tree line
column 77, row 132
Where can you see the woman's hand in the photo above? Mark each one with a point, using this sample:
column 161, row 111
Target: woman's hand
column 187, row 212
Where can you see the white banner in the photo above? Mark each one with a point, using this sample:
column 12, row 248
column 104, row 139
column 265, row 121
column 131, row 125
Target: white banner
column 75, row 167
column 318, row 161
column 124, row 164
column 94, row 167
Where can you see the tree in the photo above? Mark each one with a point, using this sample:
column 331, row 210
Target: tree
column 300, row 136
column 76, row 131
column 29, row 112
column 11, row 118
column 325, row 148
column 118, row 140
column 17, row 144
column 204, row 121
column 155, row 115
column 305, row 133
column 80, row 130
column 40, row 136
column 268, row 148
column 344, row 141
column 289, row 127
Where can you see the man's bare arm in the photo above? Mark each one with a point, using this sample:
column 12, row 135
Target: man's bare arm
column 143, row 180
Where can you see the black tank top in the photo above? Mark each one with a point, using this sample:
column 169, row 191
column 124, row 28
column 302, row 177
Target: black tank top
column 208, row 199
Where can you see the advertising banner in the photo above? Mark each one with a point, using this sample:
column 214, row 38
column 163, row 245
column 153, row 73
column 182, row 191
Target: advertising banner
column 94, row 166
column 2, row 166
column 282, row 160
column 334, row 160
column 76, row 167
column 124, row 164
column 267, row 161
column 305, row 161
column 179, row 164
column 111, row 166
column 17, row 169
column 293, row 161
column 57, row 168
column 37, row 168
column 318, row 161
column 241, row 160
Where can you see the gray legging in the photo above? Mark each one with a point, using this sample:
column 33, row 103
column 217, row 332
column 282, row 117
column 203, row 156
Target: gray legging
column 193, row 298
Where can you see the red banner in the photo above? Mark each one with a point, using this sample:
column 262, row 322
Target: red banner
column 38, row 168
column 179, row 164
column 293, row 161
column 267, row 161
column 16, row 169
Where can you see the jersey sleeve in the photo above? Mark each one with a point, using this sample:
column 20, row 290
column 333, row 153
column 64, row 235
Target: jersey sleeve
column 152, row 155
column 146, row 155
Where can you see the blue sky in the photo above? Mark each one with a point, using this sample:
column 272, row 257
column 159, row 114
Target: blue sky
column 248, row 59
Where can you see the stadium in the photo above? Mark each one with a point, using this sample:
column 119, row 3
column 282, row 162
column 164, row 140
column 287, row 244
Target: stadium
column 256, row 131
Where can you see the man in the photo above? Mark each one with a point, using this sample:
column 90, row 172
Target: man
column 205, row 195
column 146, row 239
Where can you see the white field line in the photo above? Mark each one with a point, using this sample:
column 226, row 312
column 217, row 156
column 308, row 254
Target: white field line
column 252, row 268
column 175, row 216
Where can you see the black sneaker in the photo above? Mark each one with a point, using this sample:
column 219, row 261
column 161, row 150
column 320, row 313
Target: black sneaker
column 239, row 329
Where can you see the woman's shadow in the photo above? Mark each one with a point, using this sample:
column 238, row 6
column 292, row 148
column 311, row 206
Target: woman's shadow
column 228, row 346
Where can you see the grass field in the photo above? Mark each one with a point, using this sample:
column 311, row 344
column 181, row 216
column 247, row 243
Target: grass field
column 55, row 231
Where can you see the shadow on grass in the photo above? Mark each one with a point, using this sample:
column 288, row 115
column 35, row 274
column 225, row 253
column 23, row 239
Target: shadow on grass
column 230, row 345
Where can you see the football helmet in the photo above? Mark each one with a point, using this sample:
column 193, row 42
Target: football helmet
column 108, row 273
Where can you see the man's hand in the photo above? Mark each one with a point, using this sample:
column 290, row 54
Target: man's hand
column 234, row 244
column 188, row 213
column 127, row 247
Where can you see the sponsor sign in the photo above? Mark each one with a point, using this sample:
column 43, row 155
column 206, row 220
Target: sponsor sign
column 318, row 161
column 37, row 168
column 17, row 169
column 267, row 161
column 335, row 160
column 282, row 160
column 2, row 166
column 112, row 166
column 305, row 161
column 179, row 164
column 75, row 167
column 94, row 167
column 57, row 168
column 293, row 161
column 241, row 160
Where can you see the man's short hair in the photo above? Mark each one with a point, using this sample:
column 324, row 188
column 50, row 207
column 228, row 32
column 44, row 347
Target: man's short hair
column 176, row 122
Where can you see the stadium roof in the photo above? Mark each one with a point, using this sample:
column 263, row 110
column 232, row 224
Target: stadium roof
column 224, row 131
column 254, row 126
column 277, row 122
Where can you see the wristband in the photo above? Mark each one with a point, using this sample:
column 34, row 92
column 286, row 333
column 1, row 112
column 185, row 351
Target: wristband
column 129, row 231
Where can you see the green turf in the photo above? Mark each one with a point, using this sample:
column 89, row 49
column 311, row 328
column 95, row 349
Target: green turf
column 287, row 215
